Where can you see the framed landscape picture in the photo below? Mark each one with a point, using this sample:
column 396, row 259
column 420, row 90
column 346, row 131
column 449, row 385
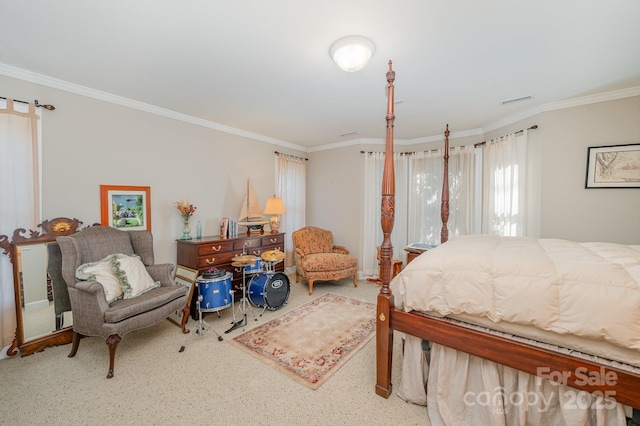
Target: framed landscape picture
column 125, row 207
column 615, row 166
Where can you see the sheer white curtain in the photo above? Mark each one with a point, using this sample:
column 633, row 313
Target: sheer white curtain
column 19, row 194
column 505, row 186
column 425, row 194
column 291, row 175
column 373, row 168
column 418, row 179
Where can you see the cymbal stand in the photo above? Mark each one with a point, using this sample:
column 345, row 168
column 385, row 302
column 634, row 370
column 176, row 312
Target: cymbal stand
column 202, row 322
column 242, row 307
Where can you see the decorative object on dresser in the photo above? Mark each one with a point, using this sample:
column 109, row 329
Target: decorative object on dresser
column 114, row 285
column 42, row 309
column 274, row 207
column 125, row 207
column 186, row 209
column 218, row 252
column 317, row 258
column 251, row 214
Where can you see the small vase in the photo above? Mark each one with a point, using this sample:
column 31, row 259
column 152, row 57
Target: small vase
column 186, row 231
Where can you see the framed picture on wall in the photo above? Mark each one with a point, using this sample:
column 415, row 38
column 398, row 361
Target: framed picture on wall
column 125, row 207
column 186, row 277
column 615, row 166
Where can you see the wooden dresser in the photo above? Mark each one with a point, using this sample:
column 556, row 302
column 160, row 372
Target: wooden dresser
column 217, row 252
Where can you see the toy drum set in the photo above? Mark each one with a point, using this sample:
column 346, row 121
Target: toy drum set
column 267, row 288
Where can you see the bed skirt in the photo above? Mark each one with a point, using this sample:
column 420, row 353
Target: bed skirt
column 461, row 389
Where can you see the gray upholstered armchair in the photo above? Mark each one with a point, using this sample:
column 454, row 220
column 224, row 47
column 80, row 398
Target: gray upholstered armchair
column 93, row 315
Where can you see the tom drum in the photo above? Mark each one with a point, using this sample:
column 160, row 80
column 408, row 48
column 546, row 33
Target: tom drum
column 256, row 267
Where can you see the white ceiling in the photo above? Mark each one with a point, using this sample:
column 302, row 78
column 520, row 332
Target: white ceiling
column 263, row 66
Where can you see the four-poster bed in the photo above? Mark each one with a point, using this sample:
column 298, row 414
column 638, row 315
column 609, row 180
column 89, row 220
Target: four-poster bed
column 616, row 381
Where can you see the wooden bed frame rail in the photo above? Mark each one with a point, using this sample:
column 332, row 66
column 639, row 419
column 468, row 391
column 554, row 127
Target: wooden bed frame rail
column 598, row 379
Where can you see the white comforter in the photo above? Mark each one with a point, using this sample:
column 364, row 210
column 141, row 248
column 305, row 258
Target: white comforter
column 586, row 289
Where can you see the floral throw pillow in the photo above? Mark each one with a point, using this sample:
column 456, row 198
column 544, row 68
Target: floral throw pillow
column 105, row 272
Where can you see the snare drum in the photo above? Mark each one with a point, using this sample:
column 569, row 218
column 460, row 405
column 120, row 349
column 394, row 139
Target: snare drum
column 269, row 290
column 214, row 294
column 252, row 269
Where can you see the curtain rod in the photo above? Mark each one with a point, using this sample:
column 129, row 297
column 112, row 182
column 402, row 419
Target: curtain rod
column 535, row 126
column 397, row 152
column 292, row 156
column 38, row 105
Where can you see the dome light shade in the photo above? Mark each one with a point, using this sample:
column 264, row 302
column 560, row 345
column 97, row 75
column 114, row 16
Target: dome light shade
column 352, row 53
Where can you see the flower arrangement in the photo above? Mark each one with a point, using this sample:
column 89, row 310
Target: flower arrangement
column 186, row 209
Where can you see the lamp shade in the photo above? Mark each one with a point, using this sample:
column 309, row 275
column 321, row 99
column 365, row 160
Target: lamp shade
column 352, row 53
column 274, row 206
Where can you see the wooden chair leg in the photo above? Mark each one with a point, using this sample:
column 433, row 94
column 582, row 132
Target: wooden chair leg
column 75, row 343
column 355, row 280
column 297, row 275
column 112, row 341
column 185, row 317
column 310, row 287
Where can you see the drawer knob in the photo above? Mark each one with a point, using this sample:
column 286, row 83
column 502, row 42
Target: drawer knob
column 211, row 261
column 248, row 243
column 216, row 249
column 273, row 240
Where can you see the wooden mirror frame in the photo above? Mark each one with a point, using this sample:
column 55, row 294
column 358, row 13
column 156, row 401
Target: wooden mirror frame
column 51, row 229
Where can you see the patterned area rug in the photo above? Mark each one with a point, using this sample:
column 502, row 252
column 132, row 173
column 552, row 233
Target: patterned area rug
column 313, row 341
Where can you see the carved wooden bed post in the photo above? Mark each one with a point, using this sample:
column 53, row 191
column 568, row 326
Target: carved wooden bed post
column 384, row 333
column 444, row 208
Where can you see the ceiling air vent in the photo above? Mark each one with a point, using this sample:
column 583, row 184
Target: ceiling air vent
column 510, row 101
column 349, row 134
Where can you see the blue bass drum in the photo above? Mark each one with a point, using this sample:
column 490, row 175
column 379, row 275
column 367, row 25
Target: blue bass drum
column 269, row 290
column 214, row 294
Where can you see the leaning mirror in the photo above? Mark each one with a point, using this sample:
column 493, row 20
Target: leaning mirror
column 43, row 311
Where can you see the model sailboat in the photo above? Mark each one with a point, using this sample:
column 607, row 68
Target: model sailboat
column 251, row 213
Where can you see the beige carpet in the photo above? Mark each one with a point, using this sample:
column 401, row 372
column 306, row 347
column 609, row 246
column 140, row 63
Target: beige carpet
column 209, row 383
column 313, row 341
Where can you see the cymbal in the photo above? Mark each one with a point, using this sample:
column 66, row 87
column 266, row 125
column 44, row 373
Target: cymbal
column 242, row 264
column 273, row 256
column 244, row 257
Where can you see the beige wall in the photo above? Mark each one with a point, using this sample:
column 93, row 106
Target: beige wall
column 568, row 210
column 87, row 142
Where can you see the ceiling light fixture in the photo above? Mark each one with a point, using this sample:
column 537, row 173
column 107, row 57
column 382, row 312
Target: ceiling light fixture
column 352, row 53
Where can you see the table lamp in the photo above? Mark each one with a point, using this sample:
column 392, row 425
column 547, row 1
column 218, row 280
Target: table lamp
column 274, row 207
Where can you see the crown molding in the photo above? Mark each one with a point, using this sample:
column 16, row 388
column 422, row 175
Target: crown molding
column 593, row 99
column 55, row 83
column 36, row 78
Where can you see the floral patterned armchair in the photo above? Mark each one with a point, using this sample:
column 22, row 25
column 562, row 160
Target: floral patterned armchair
column 318, row 259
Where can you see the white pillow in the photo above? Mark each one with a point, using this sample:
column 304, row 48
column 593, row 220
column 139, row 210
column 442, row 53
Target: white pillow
column 105, row 273
column 135, row 279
